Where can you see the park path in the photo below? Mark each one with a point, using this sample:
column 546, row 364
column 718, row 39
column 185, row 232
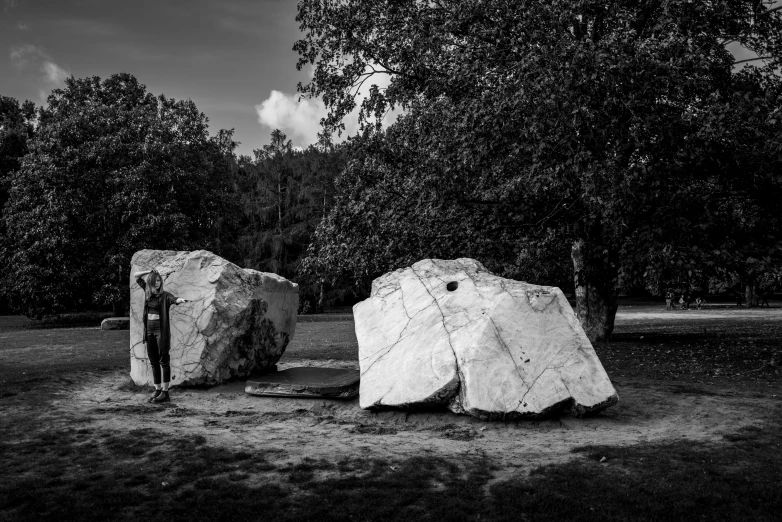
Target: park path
column 726, row 313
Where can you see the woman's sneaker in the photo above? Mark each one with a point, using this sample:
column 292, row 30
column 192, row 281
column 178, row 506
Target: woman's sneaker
column 154, row 395
column 163, row 397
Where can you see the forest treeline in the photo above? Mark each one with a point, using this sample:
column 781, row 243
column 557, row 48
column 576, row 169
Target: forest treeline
column 106, row 168
column 592, row 145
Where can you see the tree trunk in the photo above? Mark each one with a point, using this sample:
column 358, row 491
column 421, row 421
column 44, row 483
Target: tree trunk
column 321, row 298
column 279, row 203
column 751, row 295
column 118, row 307
column 596, row 299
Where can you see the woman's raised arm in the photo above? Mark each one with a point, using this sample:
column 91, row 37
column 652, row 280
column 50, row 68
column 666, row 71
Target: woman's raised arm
column 140, row 278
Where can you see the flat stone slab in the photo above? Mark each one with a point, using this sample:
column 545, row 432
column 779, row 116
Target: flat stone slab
column 115, row 323
column 333, row 383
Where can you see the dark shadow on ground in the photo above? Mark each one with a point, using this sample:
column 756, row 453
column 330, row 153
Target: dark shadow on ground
column 82, row 473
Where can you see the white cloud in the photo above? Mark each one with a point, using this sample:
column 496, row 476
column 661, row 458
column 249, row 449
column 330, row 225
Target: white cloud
column 22, row 26
column 54, row 73
column 300, row 119
column 21, row 55
column 9, row 4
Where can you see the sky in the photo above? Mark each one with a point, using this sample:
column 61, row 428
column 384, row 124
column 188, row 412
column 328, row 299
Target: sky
column 233, row 58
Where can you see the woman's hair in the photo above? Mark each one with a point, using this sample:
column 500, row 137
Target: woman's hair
column 152, row 280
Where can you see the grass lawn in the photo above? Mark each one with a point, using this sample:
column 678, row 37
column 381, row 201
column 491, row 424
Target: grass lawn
column 696, row 435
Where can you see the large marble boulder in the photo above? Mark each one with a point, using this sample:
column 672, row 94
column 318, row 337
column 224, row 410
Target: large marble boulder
column 238, row 321
column 450, row 332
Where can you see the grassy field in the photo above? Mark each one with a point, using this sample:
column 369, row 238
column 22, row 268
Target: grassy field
column 696, row 435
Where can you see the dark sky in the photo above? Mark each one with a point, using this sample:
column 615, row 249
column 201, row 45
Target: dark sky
column 226, row 55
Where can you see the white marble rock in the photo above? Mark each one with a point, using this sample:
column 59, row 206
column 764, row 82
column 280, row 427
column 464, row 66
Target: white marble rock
column 239, row 320
column 451, row 332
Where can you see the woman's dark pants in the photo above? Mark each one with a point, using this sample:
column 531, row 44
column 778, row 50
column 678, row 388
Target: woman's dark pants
column 157, row 358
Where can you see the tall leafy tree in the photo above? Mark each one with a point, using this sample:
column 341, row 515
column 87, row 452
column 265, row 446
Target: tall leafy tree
column 284, row 193
column 726, row 227
column 276, row 159
column 586, row 121
column 16, row 128
column 112, row 169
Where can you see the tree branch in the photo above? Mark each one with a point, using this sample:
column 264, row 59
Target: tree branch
column 753, row 59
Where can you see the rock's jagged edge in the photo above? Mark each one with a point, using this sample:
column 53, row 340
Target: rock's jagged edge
column 442, row 398
column 447, row 396
column 569, row 406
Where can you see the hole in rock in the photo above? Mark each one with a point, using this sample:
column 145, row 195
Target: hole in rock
column 453, row 285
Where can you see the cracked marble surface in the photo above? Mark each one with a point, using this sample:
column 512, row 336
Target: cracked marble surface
column 451, row 332
column 238, row 320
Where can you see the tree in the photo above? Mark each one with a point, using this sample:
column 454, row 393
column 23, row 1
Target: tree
column 283, row 194
column 16, row 128
column 726, row 228
column 112, row 169
column 276, row 158
column 585, row 120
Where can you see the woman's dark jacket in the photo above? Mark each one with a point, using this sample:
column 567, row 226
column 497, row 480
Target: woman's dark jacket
column 166, row 300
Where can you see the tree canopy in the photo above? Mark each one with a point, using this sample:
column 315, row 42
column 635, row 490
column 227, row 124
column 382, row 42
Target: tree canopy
column 111, row 169
column 613, row 127
column 16, row 128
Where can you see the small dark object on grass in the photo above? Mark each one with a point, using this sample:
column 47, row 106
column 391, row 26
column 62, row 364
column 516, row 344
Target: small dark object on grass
column 115, row 323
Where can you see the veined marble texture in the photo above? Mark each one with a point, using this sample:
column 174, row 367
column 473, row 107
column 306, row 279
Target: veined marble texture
column 450, row 332
column 239, row 320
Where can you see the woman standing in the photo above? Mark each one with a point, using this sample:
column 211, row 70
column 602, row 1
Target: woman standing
column 157, row 333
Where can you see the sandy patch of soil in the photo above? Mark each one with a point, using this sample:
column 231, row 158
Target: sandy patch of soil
column 292, row 429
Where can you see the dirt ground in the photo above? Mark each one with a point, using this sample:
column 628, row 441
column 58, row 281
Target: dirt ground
column 649, row 410
column 293, row 429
